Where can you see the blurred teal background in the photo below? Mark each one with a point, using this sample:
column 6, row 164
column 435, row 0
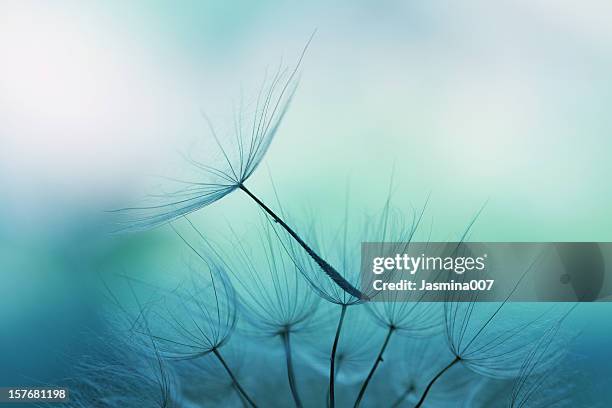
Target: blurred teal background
column 504, row 103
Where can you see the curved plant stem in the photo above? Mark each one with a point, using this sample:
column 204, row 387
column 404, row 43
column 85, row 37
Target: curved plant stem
column 290, row 373
column 433, row 380
column 378, row 360
column 326, row 267
column 336, row 371
column 332, row 365
column 234, row 380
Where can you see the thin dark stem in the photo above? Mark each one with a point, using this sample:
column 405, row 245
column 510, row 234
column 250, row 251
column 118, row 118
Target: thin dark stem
column 290, row 373
column 378, row 360
column 433, row 380
column 326, row 267
column 234, row 380
column 336, row 371
column 332, row 365
column 242, row 400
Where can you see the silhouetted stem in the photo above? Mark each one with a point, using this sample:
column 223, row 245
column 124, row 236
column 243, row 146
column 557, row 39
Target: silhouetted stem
column 243, row 401
column 234, row 380
column 332, row 365
column 378, row 360
column 336, row 371
column 433, row 380
column 290, row 373
column 326, row 267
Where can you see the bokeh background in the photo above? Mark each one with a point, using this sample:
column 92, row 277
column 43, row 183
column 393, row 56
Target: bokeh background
column 504, row 103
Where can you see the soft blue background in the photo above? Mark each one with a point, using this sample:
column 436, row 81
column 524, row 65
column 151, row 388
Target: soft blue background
column 505, row 102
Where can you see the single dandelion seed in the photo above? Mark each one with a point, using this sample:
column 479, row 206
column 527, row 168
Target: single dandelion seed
column 251, row 141
column 493, row 338
column 273, row 296
column 196, row 319
column 395, row 311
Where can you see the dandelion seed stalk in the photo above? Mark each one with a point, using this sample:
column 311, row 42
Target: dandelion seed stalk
column 434, row 379
column 378, row 360
column 234, row 379
column 332, row 365
column 324, row 265
column 290, row 371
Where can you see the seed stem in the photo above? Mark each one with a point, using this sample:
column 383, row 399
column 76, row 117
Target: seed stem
column 234, row 380
column 378, row 360
column 326, row 267
column 332, row 365
column 433, row 380
column 290, row 372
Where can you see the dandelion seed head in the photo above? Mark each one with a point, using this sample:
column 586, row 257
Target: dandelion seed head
column 404, row 312
column 193, row 319
column 273, row 296
column 494, row 338
column 240, row 150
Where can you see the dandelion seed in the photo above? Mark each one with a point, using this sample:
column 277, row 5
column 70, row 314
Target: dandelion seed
column 399, row 315
column 493, row 338
column 545, row 378
column 252, row 138
column 196, row 319
column 273, row 296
